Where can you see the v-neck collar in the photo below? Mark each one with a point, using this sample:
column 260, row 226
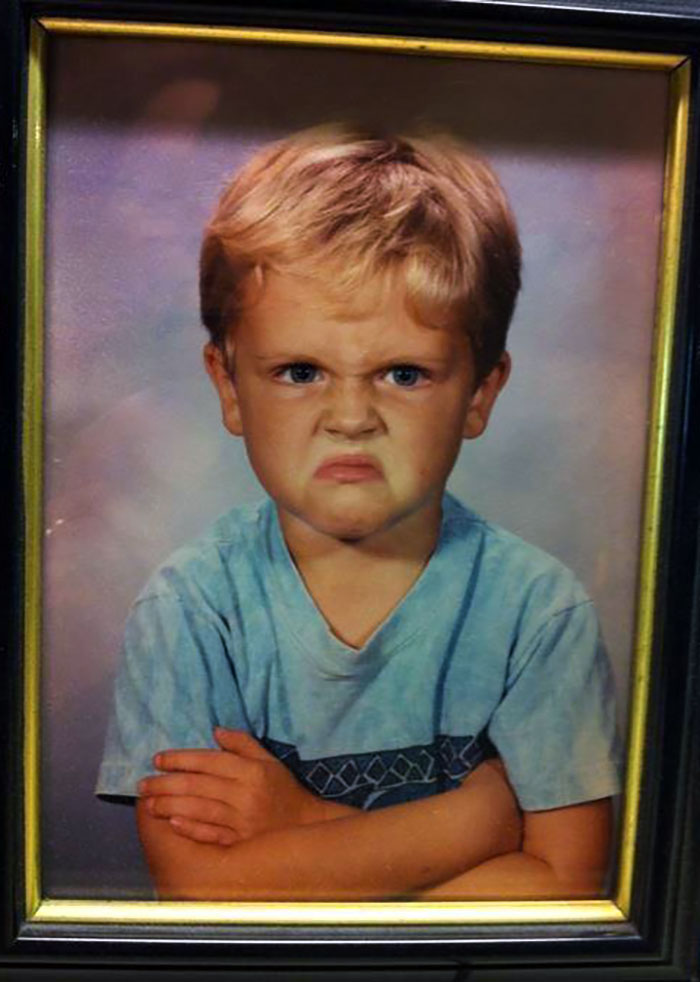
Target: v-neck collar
column 310, row 630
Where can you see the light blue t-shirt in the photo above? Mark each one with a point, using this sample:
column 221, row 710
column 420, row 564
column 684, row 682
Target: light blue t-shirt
column 495, row 649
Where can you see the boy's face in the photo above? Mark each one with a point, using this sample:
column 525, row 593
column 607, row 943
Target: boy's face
column 352, row 423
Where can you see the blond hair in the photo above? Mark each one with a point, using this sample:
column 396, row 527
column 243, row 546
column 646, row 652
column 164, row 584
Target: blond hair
column 350, row 207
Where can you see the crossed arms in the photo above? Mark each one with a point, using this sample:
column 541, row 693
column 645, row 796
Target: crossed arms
column 234, row 824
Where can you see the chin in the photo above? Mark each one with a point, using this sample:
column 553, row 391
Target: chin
column 347, row 529
column 351, row 522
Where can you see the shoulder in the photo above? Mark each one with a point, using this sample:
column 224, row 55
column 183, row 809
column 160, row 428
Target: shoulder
column 510, row 571
column 211, row 569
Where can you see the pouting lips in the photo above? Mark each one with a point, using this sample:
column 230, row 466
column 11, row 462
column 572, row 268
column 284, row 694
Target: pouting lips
column 349, row 469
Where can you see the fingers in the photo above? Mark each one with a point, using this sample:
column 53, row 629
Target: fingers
column 212, row 762
column 202, row 810
column 189, row 785
column 200, row 832
column 240, row 742
column 240, row 749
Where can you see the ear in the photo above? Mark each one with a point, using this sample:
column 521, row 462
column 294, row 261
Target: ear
column 484, row 398
column 225, row 388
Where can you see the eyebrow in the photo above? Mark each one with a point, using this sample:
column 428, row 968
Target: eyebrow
column 283, row 356
column 405, row 358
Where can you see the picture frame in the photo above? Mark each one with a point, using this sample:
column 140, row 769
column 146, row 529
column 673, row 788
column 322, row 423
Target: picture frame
column 650, row 926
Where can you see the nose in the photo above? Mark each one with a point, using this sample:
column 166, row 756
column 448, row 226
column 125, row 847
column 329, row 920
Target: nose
column 350, row 411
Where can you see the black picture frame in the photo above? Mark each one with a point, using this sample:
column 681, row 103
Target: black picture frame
column 660, row 936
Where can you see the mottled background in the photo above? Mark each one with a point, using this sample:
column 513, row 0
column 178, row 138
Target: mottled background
column 141, row 137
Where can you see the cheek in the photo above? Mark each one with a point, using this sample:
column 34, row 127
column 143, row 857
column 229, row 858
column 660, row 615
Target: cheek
column 435, row 425
column 275, row 434
column 436, row 437
column 265, row 410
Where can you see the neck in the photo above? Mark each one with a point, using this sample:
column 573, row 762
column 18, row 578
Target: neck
column 356, row 584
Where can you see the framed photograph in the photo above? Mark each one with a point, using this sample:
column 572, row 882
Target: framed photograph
column 129, row 131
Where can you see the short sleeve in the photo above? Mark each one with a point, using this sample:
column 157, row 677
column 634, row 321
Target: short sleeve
column 555, row 726
column 175, row 683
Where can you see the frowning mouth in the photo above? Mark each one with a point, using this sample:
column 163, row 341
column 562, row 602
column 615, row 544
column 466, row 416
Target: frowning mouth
column 349, row 469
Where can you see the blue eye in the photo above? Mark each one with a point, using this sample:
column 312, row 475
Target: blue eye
column 300, row 373
column 406, row 376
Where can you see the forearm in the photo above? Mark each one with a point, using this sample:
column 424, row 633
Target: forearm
column 515, row 875
column 369, row 855
column 565, row 854
column 326, row 811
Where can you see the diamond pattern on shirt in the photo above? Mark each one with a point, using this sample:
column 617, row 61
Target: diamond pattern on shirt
column 408, row 772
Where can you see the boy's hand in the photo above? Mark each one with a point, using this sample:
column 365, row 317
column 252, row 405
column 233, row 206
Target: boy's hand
column 222, row 796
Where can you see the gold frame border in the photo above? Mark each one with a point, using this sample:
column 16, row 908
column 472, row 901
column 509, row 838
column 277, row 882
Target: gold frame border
column 32, row 454
column 667, row 279
column 323, row 914
column 615, row 910
column 591, row 57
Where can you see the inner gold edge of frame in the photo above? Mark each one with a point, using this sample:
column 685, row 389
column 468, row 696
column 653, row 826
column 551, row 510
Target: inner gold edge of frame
column 615, row 910
column 409, row 45
column 32, row 458
column 669, row 260
column 270, row 913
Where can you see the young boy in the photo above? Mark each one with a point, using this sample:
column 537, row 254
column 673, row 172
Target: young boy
column 350, row 667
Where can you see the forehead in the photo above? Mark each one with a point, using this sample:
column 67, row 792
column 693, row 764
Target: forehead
column 304, row 313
